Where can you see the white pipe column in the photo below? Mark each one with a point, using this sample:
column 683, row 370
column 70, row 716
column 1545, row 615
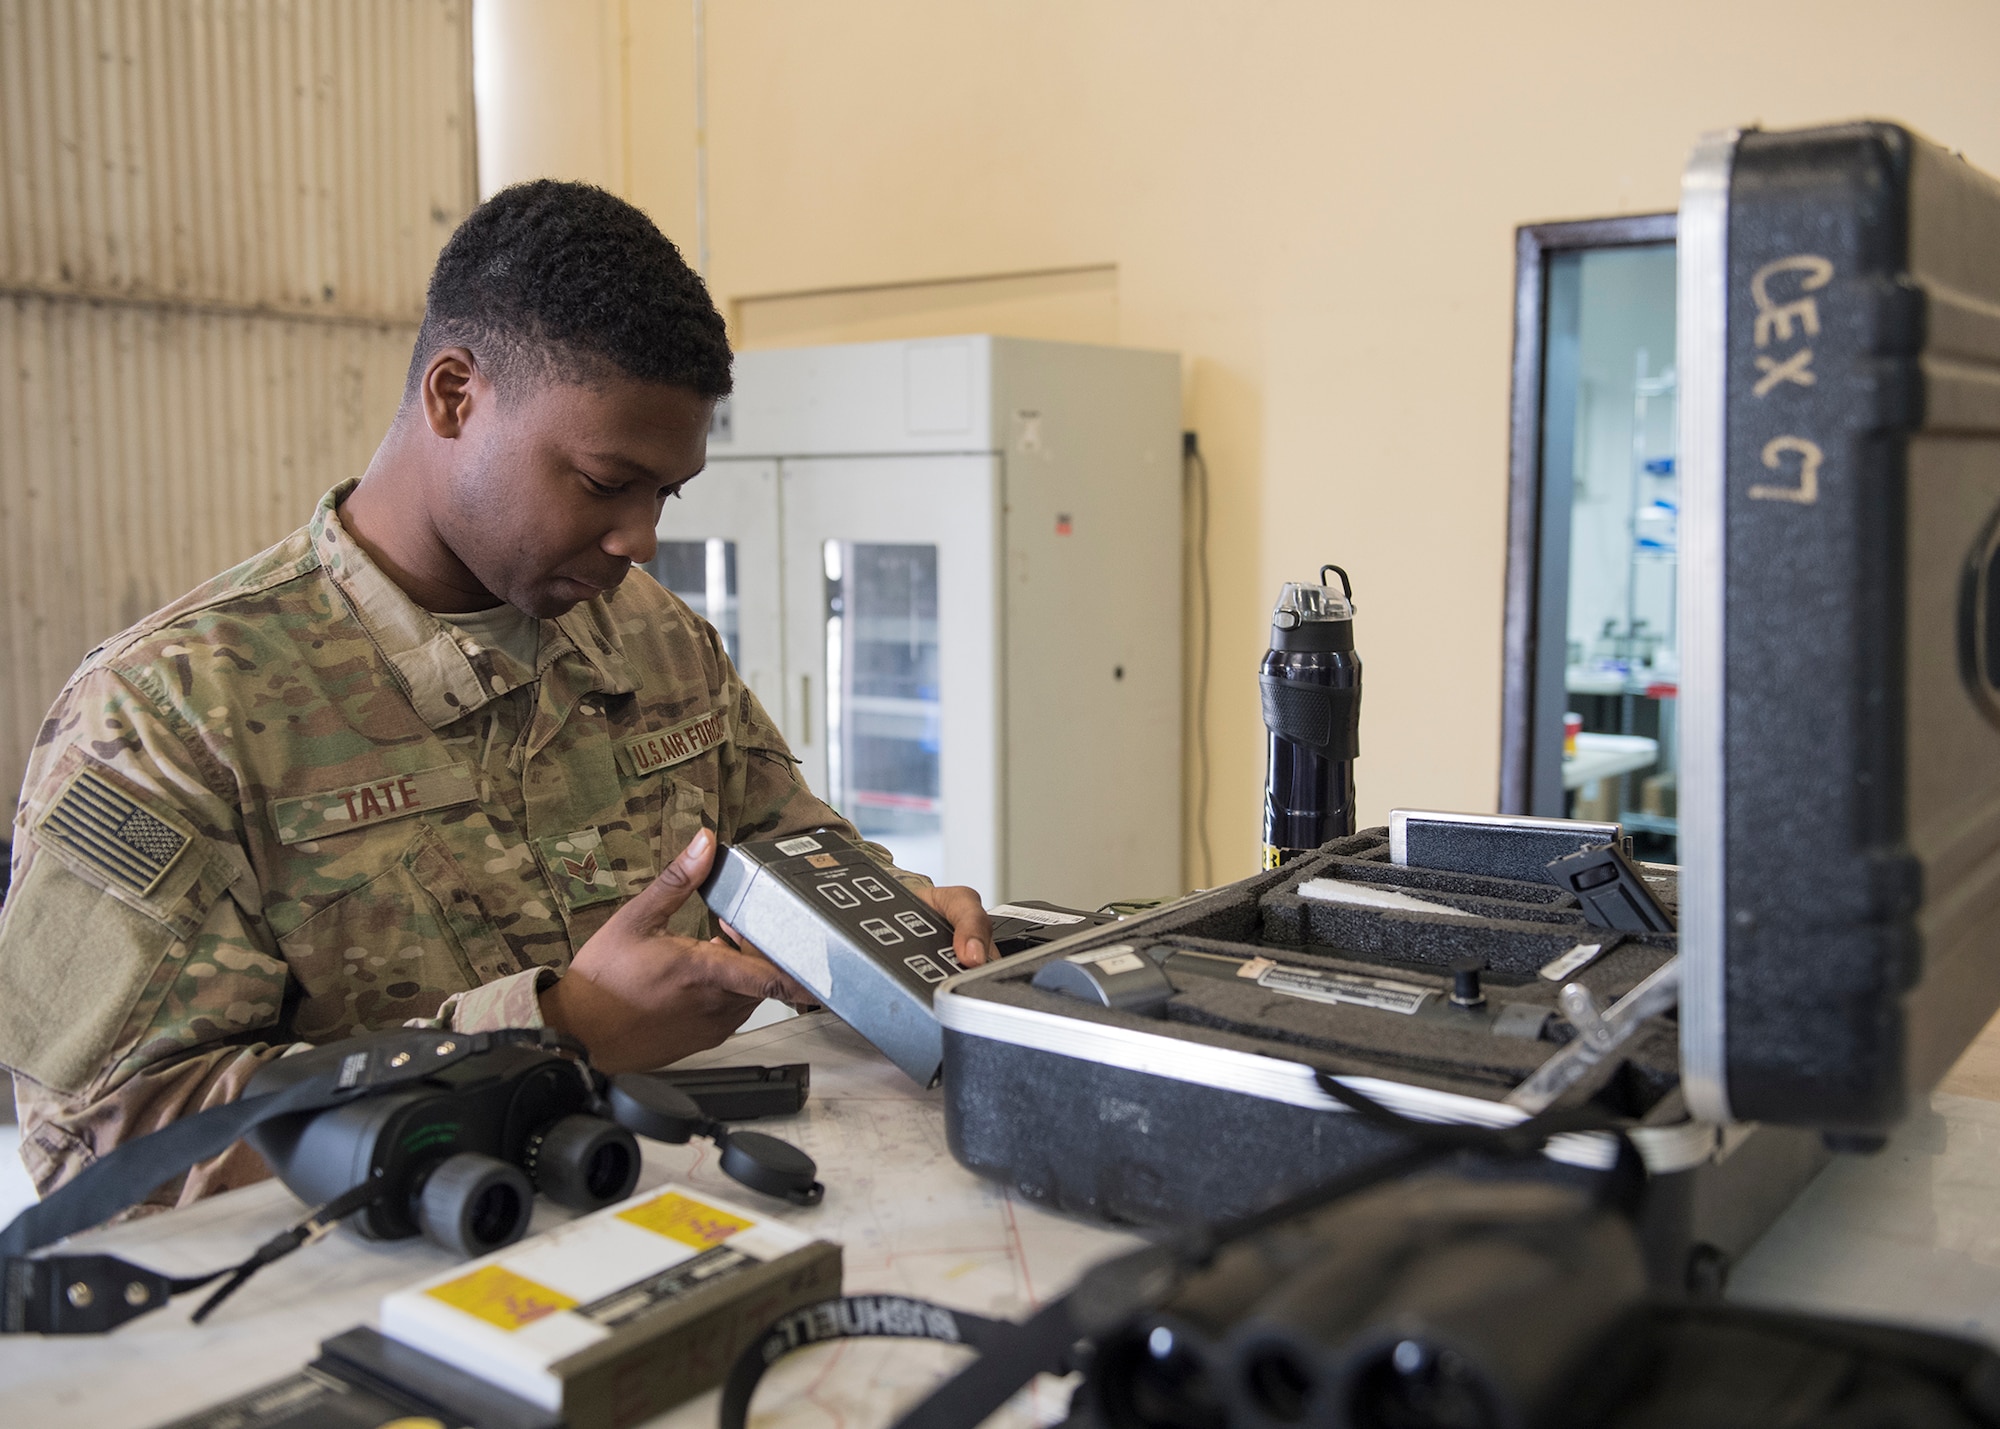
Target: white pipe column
column 548, row 79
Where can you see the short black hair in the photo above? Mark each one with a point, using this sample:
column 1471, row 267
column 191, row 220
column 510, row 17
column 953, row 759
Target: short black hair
column 551, row 280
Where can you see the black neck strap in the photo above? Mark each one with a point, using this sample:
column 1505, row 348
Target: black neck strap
column 854, row 1317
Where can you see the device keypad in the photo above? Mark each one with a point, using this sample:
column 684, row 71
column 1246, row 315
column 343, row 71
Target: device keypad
column 878, row 914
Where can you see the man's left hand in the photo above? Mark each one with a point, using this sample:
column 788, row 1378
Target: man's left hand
column 971, row 932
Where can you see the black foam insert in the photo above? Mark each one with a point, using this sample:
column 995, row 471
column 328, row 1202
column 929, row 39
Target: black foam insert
column 1521, row 928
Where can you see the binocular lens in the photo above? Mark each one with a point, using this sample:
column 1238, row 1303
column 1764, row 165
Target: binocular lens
column 1158, row 1381
column 1414, row 1385
column 1279, row 1384
column 496, row 1210
column 473, row 1204
column 608, row 1172
column 584, row 1162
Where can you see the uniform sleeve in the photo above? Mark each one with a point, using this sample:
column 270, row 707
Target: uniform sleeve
column 513, row 1001
column 775, row 800
column 137, row 981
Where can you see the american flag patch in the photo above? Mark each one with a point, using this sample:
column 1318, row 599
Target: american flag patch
column 105, row 827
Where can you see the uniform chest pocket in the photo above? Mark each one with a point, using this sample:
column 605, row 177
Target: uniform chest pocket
column 686, row 807
column 395, row 945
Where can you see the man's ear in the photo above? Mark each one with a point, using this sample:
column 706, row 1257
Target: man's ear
column 452, row 387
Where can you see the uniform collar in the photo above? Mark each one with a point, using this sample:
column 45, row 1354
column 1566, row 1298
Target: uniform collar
column 445, row 680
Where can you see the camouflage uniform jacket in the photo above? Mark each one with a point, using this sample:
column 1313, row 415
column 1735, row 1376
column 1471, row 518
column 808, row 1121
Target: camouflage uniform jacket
column 294, row 805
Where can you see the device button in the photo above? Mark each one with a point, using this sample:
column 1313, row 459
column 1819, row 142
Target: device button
column 839, row 895
column 873, row 888
column 880, row 931
column 924, row 968
column 917, row 923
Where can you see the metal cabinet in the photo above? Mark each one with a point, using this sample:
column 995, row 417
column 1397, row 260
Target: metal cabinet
column 950, row 570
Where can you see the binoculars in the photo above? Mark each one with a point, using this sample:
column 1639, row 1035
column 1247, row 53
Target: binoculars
column 1439, row 1303
column 459, row 1156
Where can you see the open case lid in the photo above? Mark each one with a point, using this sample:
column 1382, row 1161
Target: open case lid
column 1839, row 353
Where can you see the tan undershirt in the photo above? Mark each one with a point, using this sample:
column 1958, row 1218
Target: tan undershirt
column 503, row 628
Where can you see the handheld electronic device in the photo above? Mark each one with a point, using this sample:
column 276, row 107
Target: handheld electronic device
column 1029, row 923
column 864, row 945
column 1612, row 892
column 743, row 1093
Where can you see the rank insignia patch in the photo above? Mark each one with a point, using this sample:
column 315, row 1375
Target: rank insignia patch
column 576, row 867
column 102, row 825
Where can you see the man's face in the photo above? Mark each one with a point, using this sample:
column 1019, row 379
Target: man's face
column 559, row 488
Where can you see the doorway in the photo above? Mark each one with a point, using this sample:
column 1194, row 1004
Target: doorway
column 1593, row 655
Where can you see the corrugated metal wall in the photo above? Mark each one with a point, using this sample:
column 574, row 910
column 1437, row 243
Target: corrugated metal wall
column 216, row 224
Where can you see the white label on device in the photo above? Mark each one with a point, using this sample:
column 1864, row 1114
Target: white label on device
column 1345, row 987
column 1118, row 958
column 1576, row 959
column 1034, row 915
column 791, row 848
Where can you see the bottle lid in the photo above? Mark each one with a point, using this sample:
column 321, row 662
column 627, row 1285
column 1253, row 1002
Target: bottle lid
column 1303, row 604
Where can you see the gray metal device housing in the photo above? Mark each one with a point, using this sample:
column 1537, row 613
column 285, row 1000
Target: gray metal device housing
column 828, row 914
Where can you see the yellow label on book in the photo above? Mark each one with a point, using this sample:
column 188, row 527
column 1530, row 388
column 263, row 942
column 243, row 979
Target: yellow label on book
column 686, row 1220
column 498, row 1296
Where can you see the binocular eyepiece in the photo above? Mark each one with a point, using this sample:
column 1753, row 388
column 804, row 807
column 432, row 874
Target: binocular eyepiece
column 473, row 1203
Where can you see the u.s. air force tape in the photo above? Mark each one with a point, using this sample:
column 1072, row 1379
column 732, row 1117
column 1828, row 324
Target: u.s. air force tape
column 105, row 828
column 658, row 749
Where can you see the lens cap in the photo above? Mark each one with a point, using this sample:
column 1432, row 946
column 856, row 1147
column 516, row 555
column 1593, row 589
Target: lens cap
column 654, row 1108
column 777, row 1168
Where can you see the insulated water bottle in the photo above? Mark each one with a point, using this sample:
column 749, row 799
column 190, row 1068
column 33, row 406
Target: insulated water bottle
column 1311, row 684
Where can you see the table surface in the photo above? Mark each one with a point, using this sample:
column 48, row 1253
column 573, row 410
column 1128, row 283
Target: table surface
column 1907, row 1235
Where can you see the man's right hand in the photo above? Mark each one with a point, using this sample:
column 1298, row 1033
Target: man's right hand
column 640, row 997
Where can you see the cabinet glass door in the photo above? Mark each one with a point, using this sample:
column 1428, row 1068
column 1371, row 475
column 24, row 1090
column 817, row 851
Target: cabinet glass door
column 884, row 729
column 719, row 552
column 892, row 621
column 702, row 572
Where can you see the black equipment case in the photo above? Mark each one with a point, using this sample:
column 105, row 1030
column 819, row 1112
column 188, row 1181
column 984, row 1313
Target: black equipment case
column 1211, row 1107
column 1839, row 337
column 1839, row 896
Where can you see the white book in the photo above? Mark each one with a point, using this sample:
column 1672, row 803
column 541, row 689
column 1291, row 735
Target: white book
column 1332, row 890
column 513, row 1317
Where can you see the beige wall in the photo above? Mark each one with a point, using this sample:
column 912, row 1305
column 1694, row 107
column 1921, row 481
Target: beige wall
column 1314, row 203
column 216, row 226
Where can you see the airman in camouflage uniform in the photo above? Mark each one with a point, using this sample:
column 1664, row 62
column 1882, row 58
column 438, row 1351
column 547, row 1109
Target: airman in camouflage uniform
column 294, row 805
